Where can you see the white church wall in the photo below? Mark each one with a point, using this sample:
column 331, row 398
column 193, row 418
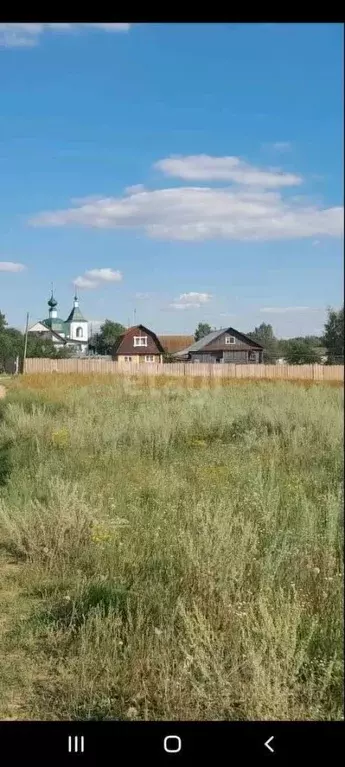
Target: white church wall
column 74, row 326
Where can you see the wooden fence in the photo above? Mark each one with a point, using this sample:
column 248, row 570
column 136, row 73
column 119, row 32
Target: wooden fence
column 282, row 372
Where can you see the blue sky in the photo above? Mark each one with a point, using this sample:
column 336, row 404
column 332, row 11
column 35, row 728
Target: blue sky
column 193, row 172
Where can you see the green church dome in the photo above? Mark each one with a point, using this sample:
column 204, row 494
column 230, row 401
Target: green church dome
column 63, row 327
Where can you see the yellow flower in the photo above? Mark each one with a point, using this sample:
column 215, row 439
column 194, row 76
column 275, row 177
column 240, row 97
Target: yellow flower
column 132, row 712
column 60, row 438
column 100, row 534
column 198, row 442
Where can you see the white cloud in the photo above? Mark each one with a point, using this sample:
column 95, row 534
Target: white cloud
column 190, row 300
column 120, row 27
column 104, row 275
column 134, row 188
column 58, row 25
column 10, row 266
column 94, row 277
column 196, row 298
column 13, row 35
column 203, row 213
column 83, row 282
column 286, row 309
column 202, row 167
column 282, row 146
column 19, row 35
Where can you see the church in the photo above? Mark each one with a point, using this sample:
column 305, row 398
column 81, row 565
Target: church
column 73, row 332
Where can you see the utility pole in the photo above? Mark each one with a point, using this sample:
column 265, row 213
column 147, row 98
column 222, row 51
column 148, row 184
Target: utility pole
column 25, row 341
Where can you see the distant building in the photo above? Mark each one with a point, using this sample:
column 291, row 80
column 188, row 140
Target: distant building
column 226, row 345
column 73, row 332
column 138, row 344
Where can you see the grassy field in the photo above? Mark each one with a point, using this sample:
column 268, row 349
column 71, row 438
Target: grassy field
column 170, row 551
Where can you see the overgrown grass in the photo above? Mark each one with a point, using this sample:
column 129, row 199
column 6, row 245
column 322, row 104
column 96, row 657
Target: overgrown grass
column 177, row 551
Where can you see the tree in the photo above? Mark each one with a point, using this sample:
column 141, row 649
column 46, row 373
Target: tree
column 11, row 342
column 264, row 335
column 44, row 347
column 5, row 350
column 308, row 348
column 168, row 357
column 333, row 337
column 103, row 342
column 3, row 322
column 314, row 341
column 202, row 330
column 12, row 345
column 301, row 352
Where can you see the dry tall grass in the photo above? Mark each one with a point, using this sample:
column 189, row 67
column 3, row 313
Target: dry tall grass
column 176, row 552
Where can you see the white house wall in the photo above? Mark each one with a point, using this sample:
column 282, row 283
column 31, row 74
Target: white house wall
column 38, row 328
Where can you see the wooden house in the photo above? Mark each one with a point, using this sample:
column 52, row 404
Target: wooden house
column 138, row 344
column 226, row 345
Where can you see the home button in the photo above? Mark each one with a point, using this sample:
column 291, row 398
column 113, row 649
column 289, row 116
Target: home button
column 172, row 744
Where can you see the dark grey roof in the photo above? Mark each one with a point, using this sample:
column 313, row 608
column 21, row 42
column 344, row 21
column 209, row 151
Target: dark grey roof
column 198, row 345
column 75, row 315
column 202, row 342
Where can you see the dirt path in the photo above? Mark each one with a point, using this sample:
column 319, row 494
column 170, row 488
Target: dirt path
column 2, row 392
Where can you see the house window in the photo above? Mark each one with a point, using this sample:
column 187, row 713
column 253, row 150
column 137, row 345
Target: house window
column 230, row 340
column 79, row 332
column 140, row 340
column 149, row 358
column 252, row 356
column 128, row 359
